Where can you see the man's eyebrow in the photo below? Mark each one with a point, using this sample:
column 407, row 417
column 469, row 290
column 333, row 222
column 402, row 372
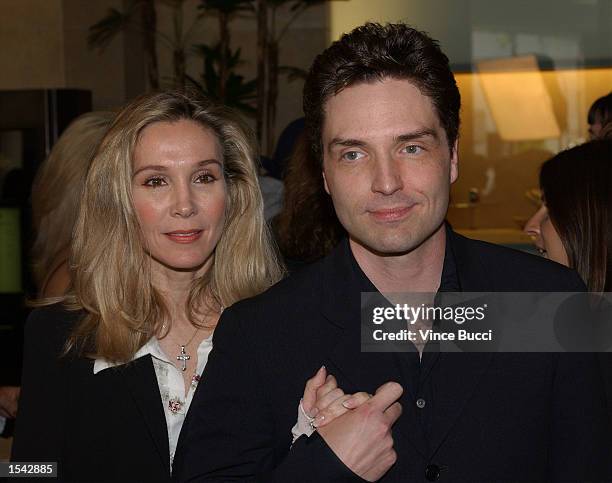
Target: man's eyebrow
column 411, row 136
column 346, row 143
column 421, row 133
column 159, row 167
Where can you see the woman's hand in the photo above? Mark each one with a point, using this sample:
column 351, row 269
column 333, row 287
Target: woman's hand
column 324, row 401
column 9, row 397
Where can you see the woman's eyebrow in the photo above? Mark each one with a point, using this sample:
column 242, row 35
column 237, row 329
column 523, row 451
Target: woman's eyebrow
column 159, row 167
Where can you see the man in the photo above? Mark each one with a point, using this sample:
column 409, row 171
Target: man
column 382, row 113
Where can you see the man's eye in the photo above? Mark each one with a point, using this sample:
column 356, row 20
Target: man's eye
column 205, row 178
column 155, row 182
column 352, row 155
column 413, row 149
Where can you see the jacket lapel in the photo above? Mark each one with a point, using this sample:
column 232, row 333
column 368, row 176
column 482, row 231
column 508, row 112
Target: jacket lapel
column 460, row 372
column 362, row 371
column 141, row 382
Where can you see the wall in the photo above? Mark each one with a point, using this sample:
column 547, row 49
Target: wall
column 44, row 45
column 32, row 53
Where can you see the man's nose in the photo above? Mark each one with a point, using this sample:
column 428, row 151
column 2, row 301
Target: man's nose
column 387, row 177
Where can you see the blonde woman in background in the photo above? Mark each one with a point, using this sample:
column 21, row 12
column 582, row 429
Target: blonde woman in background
column 56, row 193
column 55, row 204
column 170, row 231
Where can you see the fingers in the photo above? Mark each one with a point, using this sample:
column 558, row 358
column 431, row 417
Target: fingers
column 310, row 391
column 386, row 395
column 331, row 411
column 356, row 400
column 328, row 392
column 393, row 413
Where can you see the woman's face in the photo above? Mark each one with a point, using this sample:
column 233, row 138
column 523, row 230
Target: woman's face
column 179, row 194
column 545, row 237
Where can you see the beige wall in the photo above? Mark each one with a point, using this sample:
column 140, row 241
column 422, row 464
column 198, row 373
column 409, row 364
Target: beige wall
column 44, row 45
column 103, row 73
column 31, row 36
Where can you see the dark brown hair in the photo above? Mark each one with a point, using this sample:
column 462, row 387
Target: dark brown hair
column 307, row 228
column 576, row 186
column 601, row 110
column 374, row 52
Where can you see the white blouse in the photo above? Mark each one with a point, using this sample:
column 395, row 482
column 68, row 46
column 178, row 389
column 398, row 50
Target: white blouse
column 171, row 385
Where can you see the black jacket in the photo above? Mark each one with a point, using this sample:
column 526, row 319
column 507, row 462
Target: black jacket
column 105, row 427
column 496, row 417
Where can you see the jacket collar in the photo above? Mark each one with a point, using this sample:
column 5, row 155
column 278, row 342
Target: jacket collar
column 343, row 280
column 341, row 285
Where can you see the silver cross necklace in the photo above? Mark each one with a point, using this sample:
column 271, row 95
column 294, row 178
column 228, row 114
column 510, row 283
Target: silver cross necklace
column 183, row 356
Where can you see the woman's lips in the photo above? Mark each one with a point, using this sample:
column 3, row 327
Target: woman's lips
column 184, row 236
column 391, row 214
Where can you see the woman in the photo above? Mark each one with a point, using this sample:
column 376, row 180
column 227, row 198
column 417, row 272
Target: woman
column 574, row 224
column 56, row 193
column 307, row 228
column 170, row 231
column 599, row 117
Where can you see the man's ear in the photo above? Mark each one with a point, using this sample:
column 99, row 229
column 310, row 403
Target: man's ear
column 454, row 162
column 325, row 182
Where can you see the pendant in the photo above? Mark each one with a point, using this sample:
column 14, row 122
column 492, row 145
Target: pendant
column 183, row 357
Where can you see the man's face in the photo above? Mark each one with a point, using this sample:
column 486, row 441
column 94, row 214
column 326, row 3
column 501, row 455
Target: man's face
column 387, row 165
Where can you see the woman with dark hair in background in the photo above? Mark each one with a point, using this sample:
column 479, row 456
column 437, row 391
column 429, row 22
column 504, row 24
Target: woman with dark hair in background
column 307, row 227
column 599, row 118
column 574, row 224
column 170, row 231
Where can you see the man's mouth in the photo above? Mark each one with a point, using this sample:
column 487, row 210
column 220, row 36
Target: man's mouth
column 391, row 214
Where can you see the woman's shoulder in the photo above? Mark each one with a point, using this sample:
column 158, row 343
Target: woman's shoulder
column 52, row 323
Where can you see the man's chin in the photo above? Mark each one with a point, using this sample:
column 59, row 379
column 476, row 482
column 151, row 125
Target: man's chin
column 388, row 247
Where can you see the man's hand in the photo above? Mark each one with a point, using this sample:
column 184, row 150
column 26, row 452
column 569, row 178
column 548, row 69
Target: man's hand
column 9, row 396
column 362, row 439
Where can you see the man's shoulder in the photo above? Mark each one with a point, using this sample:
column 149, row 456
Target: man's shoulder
column 515, row 270
column 299, row 287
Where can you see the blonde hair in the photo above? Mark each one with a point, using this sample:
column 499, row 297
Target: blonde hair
column 56, row 191
column 109, row 265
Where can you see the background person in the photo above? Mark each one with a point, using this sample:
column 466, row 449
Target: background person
column 573, row 226
column 307, row 228
column 599, row 117
column 170, row 230
column 56, row 195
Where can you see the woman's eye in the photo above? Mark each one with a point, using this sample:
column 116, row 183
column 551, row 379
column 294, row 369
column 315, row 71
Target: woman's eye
column 352, row 155
column 205, row 178
column 413, row 149
column 154, row 182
